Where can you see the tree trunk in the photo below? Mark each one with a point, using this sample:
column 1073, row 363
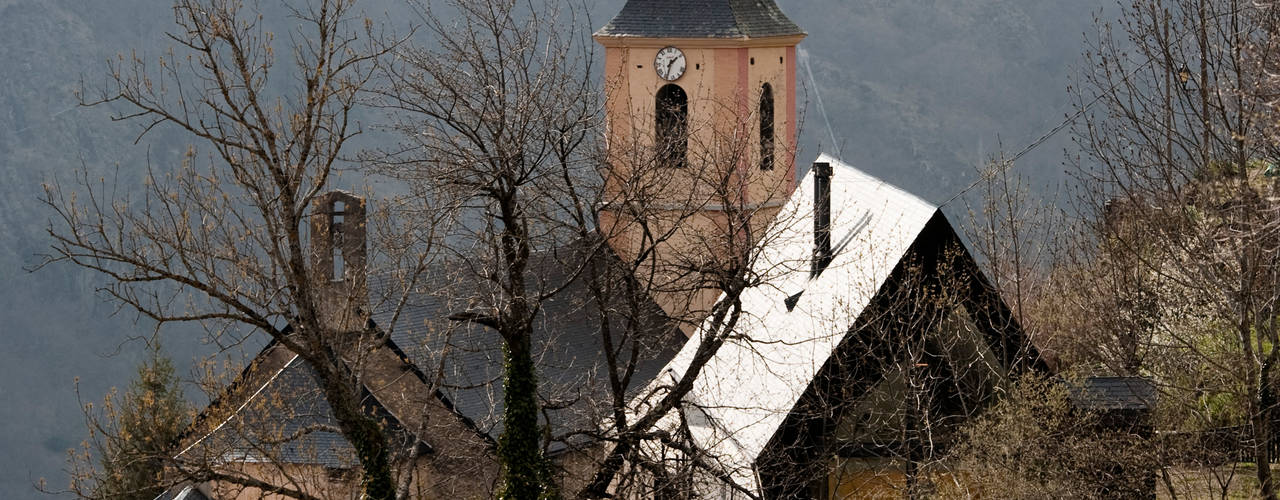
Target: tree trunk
column 525, row 474
column 1262, row 433
column 366, row 436
column 369, row 440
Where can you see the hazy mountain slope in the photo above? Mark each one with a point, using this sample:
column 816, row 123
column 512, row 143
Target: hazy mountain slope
column 919, row 91
column 52, row 328
column 916, row 90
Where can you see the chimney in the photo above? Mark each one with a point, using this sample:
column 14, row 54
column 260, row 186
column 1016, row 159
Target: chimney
column 821, row 217
column 338, row 258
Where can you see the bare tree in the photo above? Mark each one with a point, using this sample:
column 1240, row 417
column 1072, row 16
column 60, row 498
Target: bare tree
column 1014, row 236
column 223, row 239
column 1173, row 162
column 502, row 124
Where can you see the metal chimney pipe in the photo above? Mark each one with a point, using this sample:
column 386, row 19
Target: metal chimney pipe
column 821, row 217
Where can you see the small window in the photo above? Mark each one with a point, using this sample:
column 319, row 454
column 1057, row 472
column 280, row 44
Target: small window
column 766, row 127
column 339, row 265
column 336, row 239
column 672, row 121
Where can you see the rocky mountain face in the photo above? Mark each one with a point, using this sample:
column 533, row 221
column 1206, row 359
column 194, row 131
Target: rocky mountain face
column 918, row 92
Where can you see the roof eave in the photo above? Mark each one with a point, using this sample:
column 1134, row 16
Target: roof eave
column 627, row 40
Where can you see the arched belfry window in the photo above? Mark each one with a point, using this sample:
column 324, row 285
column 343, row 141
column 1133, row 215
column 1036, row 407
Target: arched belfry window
column 672, row 120
column 766, row 127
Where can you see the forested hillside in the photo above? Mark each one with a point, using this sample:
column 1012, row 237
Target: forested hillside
column 53, row 327
column 916, row 91
column 919, row 92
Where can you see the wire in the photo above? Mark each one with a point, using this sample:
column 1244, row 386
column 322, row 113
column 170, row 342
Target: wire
column 804, row 56
column 48, row 117
column 1038, row 142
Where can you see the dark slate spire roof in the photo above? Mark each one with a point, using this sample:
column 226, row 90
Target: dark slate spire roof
column 700, row 19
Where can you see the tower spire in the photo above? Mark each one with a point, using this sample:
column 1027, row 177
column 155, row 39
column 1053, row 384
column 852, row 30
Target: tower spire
column 700, row 19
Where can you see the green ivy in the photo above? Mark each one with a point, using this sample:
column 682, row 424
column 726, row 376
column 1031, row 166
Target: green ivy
column 526, row 472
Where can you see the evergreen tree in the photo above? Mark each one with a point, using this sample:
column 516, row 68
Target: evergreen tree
column 144, row 424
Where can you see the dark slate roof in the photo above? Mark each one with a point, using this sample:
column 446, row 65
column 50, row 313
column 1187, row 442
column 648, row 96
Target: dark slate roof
column 567, row 341
column 700, row 19
column 268, row 426
column 1113, row 393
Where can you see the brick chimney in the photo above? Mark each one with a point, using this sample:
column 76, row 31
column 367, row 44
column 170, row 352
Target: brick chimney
column 338, row 259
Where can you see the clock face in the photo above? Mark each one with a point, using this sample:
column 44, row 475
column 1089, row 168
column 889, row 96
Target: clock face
column 669, row 64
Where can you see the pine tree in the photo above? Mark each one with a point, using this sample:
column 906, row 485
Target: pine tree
column 148, row 420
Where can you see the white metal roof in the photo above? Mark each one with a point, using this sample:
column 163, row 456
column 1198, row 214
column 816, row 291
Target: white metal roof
column 747, row 390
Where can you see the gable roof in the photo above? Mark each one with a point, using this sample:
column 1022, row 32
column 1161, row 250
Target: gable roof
column 567, row 340
column 277, row 394
column 796, row 323
column 282, row 396
column 700, row 19
column 278, row 421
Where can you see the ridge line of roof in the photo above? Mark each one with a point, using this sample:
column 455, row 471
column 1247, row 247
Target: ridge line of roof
column 241, row 378
column 836, row 161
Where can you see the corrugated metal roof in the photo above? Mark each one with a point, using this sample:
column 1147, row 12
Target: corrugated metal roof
column 700, row 19
column 749, row 387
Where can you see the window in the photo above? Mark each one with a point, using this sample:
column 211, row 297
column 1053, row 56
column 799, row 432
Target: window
column 672, row 120
column 766, row 127
column 339, row 265
column 336, row 217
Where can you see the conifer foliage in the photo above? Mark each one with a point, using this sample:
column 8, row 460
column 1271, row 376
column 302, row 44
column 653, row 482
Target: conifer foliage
column 132, row 434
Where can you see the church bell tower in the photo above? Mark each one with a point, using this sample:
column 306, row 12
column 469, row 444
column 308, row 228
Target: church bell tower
column 701, row 131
